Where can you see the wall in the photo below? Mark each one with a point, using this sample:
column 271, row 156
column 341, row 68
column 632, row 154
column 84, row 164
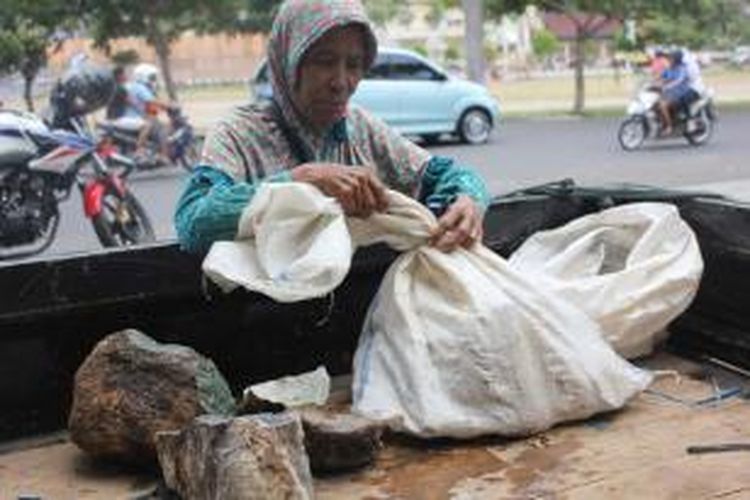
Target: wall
column 194, row 59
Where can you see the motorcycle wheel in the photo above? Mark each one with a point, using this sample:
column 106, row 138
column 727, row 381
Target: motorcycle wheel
column 632, row 133
column 122, row 221
column 190, row 157
column 704, row 131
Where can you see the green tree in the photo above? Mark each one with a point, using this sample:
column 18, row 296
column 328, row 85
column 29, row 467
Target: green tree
column 382, row 11
column 161, row 22
column 125, row 57
column 28, row 30
column 699, row 23
column 588, row 18
column 544, row 44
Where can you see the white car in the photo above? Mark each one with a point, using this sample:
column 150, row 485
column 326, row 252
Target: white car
column 417, row 97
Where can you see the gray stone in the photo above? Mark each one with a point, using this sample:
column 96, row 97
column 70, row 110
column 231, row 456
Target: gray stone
column 258, row 457
column 337, row 441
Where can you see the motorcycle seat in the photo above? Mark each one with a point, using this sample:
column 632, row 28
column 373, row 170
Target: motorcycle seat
column 126, row 124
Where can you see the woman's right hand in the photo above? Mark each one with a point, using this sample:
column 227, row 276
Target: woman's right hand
column 357, row 189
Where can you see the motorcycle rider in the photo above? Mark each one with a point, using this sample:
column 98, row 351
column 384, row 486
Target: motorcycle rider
column 694, row 73
column 144, row 105
column 658, row 62
column 675, row 87
column 119, row 100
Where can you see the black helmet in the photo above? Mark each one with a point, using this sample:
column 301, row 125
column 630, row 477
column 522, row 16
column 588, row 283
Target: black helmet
column 676, row 56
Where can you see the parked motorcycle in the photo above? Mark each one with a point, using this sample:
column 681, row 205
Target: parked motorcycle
column 39, row 167
column 183, row 145
column 694, row 122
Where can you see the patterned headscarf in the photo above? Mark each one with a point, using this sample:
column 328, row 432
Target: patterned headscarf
column 259, row 141
column 298, row 25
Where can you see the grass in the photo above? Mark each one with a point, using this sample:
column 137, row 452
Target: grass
column 604, row 94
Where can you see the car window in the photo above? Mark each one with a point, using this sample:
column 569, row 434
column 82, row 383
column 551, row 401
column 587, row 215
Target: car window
column 380, row 69
column 403, row 67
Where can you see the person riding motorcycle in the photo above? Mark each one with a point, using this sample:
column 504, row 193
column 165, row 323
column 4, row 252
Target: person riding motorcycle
column 676, row 90
column 144, row 106
column 658, row 62
column 694, row 72
column 119, row 100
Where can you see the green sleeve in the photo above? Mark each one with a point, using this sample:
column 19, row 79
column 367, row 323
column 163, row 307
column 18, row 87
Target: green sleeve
column 210, row 206
column 443, row 180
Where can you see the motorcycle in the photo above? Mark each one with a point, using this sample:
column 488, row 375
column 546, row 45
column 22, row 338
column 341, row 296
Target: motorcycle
column 39, row 167
column 183, row 145
column 695, row 121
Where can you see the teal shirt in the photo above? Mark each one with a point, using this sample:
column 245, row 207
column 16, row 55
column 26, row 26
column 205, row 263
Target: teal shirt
column 212, row 202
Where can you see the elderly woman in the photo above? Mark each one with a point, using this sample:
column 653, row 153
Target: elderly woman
column 318, row 53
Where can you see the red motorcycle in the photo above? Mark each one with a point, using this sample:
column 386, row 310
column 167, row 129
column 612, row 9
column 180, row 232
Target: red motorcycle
column 39, row 167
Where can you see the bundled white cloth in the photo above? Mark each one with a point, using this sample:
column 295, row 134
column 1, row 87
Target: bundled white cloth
column 632, row 269
column 457, row 344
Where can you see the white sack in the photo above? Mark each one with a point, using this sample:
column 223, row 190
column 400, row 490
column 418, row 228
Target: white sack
column 457, row 344
column 461, row 344
column 292, row 244
column 632, row 269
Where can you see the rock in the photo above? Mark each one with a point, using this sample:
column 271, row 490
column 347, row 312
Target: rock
column 339, row 441
column 130, row 387
column 258, row 457
column 311, row 388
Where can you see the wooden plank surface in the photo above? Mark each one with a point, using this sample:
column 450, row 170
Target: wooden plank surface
column 637, row 453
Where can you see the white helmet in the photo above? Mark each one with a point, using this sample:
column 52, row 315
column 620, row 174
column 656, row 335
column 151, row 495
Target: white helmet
column 147, row 74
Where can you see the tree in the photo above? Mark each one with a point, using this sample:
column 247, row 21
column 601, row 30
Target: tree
column 588, row 17
column 28, row 30
column 474, row 34
column 545, row 44
column 161, row 22
column 700, row 23
column 382, row 11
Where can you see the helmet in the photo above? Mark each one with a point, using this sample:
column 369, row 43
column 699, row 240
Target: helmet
column 147, row 74
column 676, row 56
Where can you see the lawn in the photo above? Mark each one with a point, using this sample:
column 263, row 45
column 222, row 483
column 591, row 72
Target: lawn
column 556, row 93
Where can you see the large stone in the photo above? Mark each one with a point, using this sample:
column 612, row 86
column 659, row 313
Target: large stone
column 339, row 441
column 258, row 457
column 130, row 387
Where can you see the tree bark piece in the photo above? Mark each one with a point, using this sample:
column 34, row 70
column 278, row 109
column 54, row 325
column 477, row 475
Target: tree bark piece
column 130, row 387
column 338, row 441
column 258, row 457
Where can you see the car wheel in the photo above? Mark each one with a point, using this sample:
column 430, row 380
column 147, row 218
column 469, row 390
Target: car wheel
column 475, row 126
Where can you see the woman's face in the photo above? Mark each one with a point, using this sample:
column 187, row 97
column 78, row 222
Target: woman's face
column 328, row 76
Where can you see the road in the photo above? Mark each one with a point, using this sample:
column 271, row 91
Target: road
column 522, row 153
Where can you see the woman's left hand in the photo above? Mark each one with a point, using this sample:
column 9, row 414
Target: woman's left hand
column 460, row 225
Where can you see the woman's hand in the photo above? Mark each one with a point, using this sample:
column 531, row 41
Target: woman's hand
column 460, row 225
column 357, row 189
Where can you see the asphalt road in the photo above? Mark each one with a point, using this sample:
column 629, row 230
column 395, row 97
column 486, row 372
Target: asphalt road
column 522, row 153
